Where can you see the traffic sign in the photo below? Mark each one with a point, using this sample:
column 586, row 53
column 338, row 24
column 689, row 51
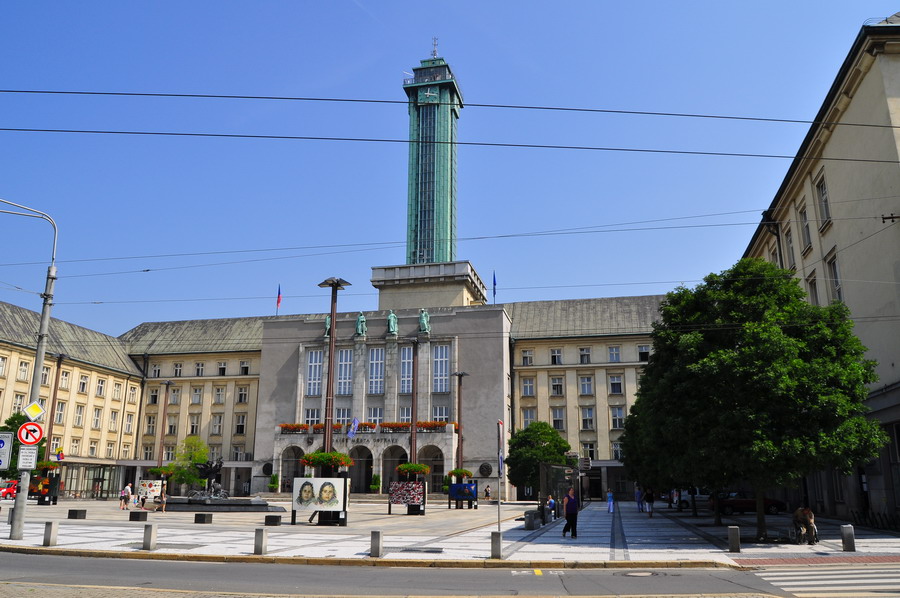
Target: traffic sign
column 34, row 411
column 28, row 457
column 30, row 433
column 6, row 443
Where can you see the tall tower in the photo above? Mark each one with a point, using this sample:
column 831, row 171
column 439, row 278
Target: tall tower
column 434, row 104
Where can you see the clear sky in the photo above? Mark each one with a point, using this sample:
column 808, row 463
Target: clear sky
column 155, row 228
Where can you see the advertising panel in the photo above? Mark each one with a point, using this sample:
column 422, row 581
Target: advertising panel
column 320, row 494
column 407, row 493
column 464, row 491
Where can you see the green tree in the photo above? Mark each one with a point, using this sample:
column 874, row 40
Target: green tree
column 750, row 382
column 188, row 455
column 531, row 446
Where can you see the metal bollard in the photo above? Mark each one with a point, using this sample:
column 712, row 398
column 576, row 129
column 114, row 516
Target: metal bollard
column 377, row 549
column 496, row 545
column 261, row 541
column 50, row 530
column 848, row 538
column 734, row 538
column 9, row 517
column 150, row 536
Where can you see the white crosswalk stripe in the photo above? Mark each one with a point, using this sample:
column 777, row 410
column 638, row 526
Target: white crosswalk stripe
column 849, row 581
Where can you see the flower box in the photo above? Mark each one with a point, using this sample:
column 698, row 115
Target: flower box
column 412, row 469
column 294, row 428
column 394, row 427
column 431, row 426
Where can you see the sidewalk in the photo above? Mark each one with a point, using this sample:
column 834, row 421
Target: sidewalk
column 444, row 538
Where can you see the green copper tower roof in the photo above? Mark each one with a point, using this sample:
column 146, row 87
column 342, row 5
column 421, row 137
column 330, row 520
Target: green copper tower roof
column 434, row 104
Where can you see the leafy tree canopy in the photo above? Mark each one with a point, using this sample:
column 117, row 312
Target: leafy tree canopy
column 748, row 381
column 531, row 446
column 188, row 455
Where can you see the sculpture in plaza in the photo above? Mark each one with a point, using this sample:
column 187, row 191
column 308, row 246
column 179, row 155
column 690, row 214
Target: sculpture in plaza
column 327, row 325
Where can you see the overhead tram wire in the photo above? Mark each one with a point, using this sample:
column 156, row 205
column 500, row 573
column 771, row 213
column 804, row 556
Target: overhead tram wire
column 468, row 104
column 457, row 143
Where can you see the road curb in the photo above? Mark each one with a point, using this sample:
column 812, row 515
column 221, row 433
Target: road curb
column 371, row 562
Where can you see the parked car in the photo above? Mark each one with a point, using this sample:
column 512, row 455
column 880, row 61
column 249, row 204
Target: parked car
column 745, row 502
column 8, row 489
column 702, row 495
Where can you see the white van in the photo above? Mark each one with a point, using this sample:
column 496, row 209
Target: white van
column 702, row 496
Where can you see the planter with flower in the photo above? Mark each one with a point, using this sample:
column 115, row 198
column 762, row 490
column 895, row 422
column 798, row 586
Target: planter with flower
column 394, row 427
column 294, row 428
column 409, row 471
column 365, row 428
column 46, row 466
column 460, row 474
column 326, row 462
column 431, row 426
column 320, row 428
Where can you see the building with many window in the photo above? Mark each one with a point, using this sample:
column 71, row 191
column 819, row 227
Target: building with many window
column 833, row 222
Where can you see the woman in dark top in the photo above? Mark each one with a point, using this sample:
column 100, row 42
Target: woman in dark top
column 570, row 507
column 649, row 497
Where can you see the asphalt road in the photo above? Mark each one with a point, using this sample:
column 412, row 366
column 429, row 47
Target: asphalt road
column 62, row 577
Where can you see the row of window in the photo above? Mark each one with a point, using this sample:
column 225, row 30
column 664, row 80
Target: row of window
column 614, row 385
column 614, row 355
column 558, row 418
column 65, row 381
column 440, row 370
column 589, row 450
column 241, row 395
column 375, row 415
column 215, row 424
column 200, row 369
column 238, row 452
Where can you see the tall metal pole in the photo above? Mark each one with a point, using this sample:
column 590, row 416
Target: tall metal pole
column 17, row 525
column 414, row 404
column 459, row 415
column 163, row 423
column 499, row 469
column 336, row 285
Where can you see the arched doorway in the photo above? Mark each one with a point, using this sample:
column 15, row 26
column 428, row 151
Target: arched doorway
column 433, row 457
column 390, row 459
column 361, row 470
column 291, row 467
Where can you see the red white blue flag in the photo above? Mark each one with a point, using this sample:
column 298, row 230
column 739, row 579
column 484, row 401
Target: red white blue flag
column 278, row 301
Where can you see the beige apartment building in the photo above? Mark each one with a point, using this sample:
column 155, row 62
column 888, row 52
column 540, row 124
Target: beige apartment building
column 202, row 381
column 833, row 222
column 577, row 366
column 90, row 391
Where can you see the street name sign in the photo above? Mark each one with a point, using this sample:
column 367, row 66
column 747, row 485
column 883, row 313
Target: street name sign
column 30, row 433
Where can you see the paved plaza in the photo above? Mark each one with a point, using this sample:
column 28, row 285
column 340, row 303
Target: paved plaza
column 443, row 537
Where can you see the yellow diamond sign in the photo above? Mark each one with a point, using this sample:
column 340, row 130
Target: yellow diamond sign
column 34, row 411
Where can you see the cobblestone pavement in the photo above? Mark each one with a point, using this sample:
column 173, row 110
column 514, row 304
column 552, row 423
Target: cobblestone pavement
column 448, row 537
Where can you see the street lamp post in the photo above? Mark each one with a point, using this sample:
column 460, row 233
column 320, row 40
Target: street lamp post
column 459, row 414
column 162, row 423
column 336, row 284
column 17, row 525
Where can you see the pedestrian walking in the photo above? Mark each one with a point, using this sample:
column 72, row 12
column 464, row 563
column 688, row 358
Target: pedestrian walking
column 487, row 492
column 649, row 498
column 125, row 497
column 639, row 498
column 610, row 500
column 570, row 507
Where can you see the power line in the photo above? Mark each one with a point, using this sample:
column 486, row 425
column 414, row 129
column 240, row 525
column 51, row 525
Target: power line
column 467, row 104
column 458, row 143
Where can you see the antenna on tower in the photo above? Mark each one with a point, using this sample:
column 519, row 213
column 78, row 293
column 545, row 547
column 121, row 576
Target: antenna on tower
column 434, row 53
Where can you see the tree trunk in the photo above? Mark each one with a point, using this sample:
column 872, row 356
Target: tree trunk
column 761, row 533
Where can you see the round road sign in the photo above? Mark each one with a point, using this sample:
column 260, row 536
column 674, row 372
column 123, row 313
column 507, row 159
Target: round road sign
column 30, row 433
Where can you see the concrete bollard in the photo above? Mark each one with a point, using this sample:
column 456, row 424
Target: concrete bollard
column 734, row 538
column 377, row 549
column 848, row 538
column 529, row 520
column 150, row 536
column 50, row 530
column 496, row 545
column 261, row 541
column 9, row 516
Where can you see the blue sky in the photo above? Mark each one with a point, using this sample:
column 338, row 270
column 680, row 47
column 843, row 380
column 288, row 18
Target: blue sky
column 237, row 217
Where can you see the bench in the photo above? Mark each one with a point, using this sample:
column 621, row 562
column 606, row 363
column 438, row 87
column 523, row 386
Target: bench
column 137, row 516
column 77, row 514
column 273, row 519
column 203, row 517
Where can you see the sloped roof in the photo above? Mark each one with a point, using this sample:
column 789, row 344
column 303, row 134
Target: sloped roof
column 19, row 326
column 583, row 317
column 198, row 336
